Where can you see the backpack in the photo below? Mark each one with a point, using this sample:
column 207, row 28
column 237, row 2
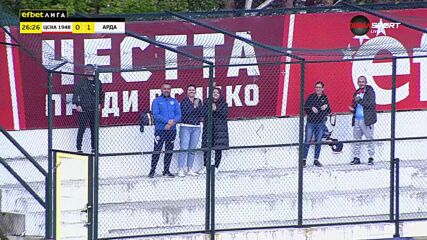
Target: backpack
column 146, row 119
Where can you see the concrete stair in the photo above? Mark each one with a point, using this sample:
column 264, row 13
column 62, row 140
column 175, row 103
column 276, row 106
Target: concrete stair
column 265, row 197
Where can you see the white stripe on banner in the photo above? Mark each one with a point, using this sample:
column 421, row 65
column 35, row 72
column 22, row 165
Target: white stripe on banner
column 288, row 66
column 12, row 80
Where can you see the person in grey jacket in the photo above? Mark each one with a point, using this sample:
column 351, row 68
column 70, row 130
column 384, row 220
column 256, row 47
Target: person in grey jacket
column 84, row 98
column 364, row 117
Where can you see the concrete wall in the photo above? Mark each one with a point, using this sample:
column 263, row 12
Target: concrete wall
column 242, row 133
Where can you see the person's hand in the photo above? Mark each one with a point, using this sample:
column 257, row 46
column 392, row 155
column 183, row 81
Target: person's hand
column 79, row 109
column 213, row 106
column 351, row 108
column 196, row 102
column 171, row 122
column 168, row 126
column 314, row 110
column 323, row 107
column 357, row 98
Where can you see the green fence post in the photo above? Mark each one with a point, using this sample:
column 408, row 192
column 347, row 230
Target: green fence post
column 49, row 227
column 301, row 145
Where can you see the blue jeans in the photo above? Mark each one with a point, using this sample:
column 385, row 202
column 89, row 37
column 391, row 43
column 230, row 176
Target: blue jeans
column 317, row 130
column 188, row 139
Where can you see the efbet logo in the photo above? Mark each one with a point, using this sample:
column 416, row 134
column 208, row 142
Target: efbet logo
column 360, row 25
column 25, row 14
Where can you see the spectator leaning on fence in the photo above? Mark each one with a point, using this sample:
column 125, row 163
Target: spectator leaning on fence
column 317, row 109
column 189, row 131
column 220, row 139
column 167, row 113
column 364, row 117
column 84, row 98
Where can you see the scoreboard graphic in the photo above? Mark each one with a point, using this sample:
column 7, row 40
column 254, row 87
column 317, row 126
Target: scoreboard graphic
column 57, row 22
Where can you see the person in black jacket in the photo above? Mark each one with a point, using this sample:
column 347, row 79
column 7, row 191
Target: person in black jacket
column 220, row 139
column 364, row 117
column 84, row 98
column 317, row 109
column 189, row 131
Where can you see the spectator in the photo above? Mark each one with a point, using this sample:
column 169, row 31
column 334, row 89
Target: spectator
column 364, row 117
column 167, row 113
column 317, row 109
column 220, row 139
column 189, row 131
column 84, row 98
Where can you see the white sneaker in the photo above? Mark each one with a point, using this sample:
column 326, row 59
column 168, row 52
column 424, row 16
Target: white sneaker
column 192, row 173
column 203, row 171
column 181, row 173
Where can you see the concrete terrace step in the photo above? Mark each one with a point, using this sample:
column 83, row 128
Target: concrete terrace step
column 248, row 211
column 344, row 178
column 228, row 184
column 237, row 235
column 243, row 160
column 163, row 202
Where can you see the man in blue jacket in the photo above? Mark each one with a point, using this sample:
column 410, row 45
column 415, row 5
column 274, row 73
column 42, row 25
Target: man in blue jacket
column 167, row 113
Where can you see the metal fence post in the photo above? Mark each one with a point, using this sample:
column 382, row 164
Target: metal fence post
column 211, row 169
column 301, row 145
column 90, row 211
column 96, row 158
column 397, row 219
column 49, row 228
column 392, row 137
column 209, row 213
column 395, row 161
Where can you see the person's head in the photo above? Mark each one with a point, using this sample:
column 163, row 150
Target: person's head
column 166, row 89
column 319, row 87
column 89, row 70
column 216, row 94
column 191, row 91
column 361, row 81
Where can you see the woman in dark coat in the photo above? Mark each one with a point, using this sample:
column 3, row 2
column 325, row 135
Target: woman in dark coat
column 220, row 140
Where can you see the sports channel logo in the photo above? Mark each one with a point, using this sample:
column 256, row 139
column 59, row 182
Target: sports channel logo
column 360, row 25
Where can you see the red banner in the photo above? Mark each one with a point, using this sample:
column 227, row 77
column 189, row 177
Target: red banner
column 384, row 39
column 255, row 90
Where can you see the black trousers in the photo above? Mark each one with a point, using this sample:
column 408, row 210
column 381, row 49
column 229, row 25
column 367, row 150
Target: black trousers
column 218, row 156
column 83, row 119
column 166, row 137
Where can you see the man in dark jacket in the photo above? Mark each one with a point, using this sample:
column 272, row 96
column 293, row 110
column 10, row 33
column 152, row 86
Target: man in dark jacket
column 84, row 98
column 364, row 117
column 317, row 109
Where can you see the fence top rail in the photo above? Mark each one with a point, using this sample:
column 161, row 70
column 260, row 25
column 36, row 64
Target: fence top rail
column 106, row 69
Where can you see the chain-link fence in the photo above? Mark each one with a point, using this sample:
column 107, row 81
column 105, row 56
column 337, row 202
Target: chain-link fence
column 254, row 126
column 262, row 174
column 22, row 190
column 258, row 181
column 22, row 172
